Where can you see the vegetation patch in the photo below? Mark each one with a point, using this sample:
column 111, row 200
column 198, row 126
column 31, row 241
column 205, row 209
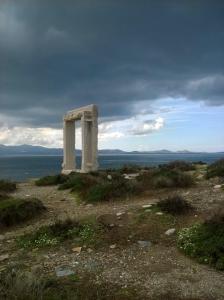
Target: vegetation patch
column 117, row 188
column 180, row 165
column 175, row 205
column 80, row 232
column 205, row 241
column 7, row 186
column 165, row 178
column 17, row 285
column 51, row 180
column 216, row 169
column 13, row 210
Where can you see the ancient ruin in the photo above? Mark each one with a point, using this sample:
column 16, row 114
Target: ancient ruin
column 89, row 130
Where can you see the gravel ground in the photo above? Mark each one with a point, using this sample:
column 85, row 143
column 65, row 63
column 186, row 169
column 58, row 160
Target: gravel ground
column 154, row 270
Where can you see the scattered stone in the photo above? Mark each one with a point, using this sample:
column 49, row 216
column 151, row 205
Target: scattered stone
column 4, row 257
column 62, row 271
column 113, row 246
column 89, row 250
column 109, row 177
column 217, row 186
column 120, row 214
column 170, row 231
column 148, row 210
column 27, row 195
column 144, row 244
column 159, row 213
column 147, row 206
column 131, row 176
column 201, row 176
column 77, row 249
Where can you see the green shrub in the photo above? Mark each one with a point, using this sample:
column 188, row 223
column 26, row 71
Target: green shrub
column 61, row 231
column 99, row 192
column 13, row 211
column 78, row 182
column 205, row 242
column 3, row 196
column 51, row 180
column 116, row 188
column 180, row 165
column 216, row 169
column 175, row 205
column 7, row 186
column 129, row 168
column 164, row 178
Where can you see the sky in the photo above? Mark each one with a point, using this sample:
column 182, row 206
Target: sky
column 155, row 69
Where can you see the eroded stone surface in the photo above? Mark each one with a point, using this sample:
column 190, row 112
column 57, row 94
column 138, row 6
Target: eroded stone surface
column 89, row 127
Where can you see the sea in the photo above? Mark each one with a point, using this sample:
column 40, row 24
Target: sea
column 22, row 168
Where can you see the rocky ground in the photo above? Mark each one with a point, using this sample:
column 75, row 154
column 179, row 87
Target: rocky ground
column 139, row 254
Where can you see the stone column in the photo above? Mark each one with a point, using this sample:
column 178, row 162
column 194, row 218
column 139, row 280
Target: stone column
column 86, row 125
column 94, row 142
column 69, row 147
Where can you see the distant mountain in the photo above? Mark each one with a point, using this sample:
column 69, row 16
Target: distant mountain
column 29, row 150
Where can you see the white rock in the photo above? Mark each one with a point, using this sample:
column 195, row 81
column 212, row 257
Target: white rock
column 144, row 244
column 170, row 231
column 4, row 257
column 218, row 186
column 120, row 214
column 109, row 177
column 147, row 206
column 113, row 246
column 159, row 213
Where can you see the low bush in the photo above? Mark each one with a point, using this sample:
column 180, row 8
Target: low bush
column 164, row 178
column 200, row 162
column 205, row 242
column 180, row 165
column 216, row 169
column 78, row 182
column 175, row 205
column 51, row 180
column 117, row 188
column 129, row 168
column 13, row 210
column 7, row 186
column 84, row 232
column 20, row 285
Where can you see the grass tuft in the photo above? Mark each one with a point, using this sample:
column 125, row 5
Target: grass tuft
column 179, row 165
column 165, row 178
column 82, row 232
column 175, row 205
column 7, row 186
column 14, row 211
column 51, row 180
column 216, row 169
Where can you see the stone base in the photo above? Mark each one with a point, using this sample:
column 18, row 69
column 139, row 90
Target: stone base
column 67, row 172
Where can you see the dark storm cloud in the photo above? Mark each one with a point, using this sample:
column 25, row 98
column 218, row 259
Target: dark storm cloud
column 57, row 55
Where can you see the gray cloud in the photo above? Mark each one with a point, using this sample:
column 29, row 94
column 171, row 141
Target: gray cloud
column 57, row 55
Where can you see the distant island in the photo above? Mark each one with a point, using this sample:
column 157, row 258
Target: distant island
column 29, row 150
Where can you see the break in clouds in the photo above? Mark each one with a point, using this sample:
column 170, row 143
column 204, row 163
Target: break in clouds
column 59, row 55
